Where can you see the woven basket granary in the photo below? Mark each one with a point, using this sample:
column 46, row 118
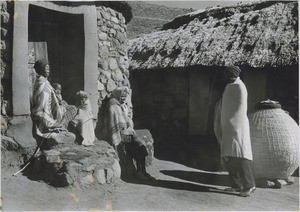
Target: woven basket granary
column 275, row 142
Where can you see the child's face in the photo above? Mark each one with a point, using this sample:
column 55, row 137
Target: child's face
column 82, row 100
column 58, row 89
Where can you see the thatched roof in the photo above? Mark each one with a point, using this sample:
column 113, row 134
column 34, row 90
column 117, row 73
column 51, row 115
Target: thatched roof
column 255, row 34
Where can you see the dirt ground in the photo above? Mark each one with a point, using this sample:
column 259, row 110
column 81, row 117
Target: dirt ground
column 178, row 187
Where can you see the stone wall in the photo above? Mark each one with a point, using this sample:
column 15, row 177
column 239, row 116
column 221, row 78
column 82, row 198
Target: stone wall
column 112, row 52
column 6, row 62
column 161, row 102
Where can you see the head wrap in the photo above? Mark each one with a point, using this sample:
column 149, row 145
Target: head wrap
column 117, row 93
column 40, row 65
column 235, row 70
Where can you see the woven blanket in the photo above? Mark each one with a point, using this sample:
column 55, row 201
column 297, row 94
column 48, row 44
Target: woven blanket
column 47, row 113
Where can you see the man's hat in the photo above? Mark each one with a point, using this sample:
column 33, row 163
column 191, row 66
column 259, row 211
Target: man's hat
column 235, row 70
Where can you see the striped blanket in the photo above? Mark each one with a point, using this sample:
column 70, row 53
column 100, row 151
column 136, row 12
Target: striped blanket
column 48, row 115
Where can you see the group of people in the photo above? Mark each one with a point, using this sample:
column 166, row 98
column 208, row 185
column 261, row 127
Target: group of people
column 52, row 114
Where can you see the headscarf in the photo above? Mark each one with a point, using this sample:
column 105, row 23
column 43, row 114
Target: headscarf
column 117, row 93
column 235, row 70
column 40, row 65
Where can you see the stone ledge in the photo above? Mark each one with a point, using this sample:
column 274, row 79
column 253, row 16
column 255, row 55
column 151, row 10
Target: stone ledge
column 78, row 166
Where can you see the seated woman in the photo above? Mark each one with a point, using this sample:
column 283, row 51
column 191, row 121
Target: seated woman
column 49, row 116
column 117, row 128
column 83, row 121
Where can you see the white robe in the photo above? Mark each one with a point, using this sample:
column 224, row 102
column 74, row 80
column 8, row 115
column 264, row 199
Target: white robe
column 83, row 121
column 231, row 124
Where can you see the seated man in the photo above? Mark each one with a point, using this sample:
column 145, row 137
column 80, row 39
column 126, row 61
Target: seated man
column 117, row 128
column 49, row 116
column 83, row 121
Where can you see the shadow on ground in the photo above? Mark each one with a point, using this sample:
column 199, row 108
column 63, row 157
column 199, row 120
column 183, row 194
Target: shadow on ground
column 196, row 152
column 199, row 177
column 178, row 185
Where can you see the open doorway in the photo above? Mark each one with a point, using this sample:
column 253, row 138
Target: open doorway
column 59, row 37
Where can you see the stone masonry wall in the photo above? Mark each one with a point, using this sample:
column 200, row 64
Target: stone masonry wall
column 6, row 62
column 161, row 102
column 112, row 52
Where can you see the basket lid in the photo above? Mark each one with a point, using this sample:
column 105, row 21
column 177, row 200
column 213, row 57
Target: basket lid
column 267, row 104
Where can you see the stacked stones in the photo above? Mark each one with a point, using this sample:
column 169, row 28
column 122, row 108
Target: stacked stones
column 113, row 62
column 74, row 165
column 5, row 62
column 163, row 107
column 10, row 149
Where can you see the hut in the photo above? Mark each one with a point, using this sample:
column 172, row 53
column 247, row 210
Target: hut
column 174, row 72
column 85, row 43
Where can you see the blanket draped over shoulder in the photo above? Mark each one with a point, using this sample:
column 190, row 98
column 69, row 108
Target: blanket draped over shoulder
column 48, row 115
column 231, row 124
column 117, row 120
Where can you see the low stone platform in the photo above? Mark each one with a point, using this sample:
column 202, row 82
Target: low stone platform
column 76, row 165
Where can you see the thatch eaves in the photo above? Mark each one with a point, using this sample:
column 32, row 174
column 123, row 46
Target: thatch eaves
column 257, row 34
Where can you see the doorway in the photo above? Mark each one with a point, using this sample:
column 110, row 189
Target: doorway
column 62, row 35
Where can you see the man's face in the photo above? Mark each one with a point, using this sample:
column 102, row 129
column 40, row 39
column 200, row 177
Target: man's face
column 46, row 71
column 228, row 77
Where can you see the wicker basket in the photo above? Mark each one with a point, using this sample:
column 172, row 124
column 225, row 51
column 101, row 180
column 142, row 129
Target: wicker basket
column 275, row 143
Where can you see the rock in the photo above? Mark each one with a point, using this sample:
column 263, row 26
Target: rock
column 105, row 15
column 100, row 86
column 115, row 20
column 113, row 64
column 109, row 175
column 116, row 169
column 3, row 45
column 87, row 180
column 102, row 36
column 100, row 176
column 103, row 64
column 111, row 85
column 3, row 6
column 11, row 158
column 5, row 17
column 3, row 32
column 103, row 94
column 62, row 138
column 8, row 143
column 112, row 12
column 78, row 165
column 90, row 168
column 21, row 131
column 52, row 156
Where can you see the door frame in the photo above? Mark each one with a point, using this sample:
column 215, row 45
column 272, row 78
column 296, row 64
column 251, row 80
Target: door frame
column 21, row 96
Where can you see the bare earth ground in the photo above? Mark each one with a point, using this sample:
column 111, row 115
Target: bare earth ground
column 177, row 188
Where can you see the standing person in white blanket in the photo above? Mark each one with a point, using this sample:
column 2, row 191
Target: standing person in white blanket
column 231, row 128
